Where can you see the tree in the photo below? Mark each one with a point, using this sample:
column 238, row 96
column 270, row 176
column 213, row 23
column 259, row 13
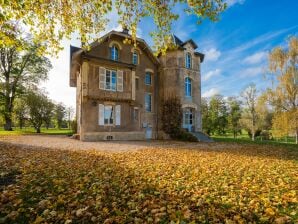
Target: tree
column 38, row 108
column 249, row 95
column 21, row 66
column 206, row 116
column 234, row 115
column 59, row 114
column 20, row 111
column 70, row 114
column 218, row 114
column 49, row 113
column 283, row 95
column 51, row 21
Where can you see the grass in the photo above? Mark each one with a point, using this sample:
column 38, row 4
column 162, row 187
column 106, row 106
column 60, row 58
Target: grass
column 30, row 130
column 217, row 184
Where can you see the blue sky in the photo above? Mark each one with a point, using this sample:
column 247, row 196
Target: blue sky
column 235, row 48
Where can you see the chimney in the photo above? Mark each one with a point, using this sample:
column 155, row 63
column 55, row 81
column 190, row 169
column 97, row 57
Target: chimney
column 125, row 30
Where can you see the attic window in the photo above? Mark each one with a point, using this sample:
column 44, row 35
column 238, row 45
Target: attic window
column 114, row 53
column 135, row 58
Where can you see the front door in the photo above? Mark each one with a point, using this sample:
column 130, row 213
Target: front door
column 148, row 133
column 188, row 119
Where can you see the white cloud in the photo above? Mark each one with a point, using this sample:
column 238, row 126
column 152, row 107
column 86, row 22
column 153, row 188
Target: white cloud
column 211, row 92
column 211, row 74
column 252, row 71
column 256, row 58
column 212, row 54
column 233, row 2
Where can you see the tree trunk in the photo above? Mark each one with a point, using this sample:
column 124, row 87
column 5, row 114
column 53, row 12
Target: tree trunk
column 38, row 130
column 8, row 123
column 253, row 136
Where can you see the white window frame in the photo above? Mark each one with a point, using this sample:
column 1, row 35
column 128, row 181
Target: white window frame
column 112, row 86
column 114, row 56
column 112, row 117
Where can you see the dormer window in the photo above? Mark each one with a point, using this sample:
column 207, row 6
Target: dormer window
column 135, row 58
column 188, row 60
column 114, row 53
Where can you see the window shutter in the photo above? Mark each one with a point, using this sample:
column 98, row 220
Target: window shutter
column 101, row 114
column 120, row 81
column 118, row 114
column 102, row 77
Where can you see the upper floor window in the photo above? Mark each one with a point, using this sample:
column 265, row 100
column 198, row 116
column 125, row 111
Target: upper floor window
column 148, row 79
column 148, row 102
column 187, row 87
column 114, row 53
column 135, row 58
column 188, row 60
column 111, row 80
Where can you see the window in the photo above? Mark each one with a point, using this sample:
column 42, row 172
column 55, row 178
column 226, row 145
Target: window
column 148, row 102
column 108, row 115
column 135, row 58
column 114, row 53
column 188, row 60
column 111, row 80
column 187, row 87
column 136, row 114
column 148, row 78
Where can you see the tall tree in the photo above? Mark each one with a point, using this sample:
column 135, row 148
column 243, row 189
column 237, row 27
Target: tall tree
column 59, row 114
column 283, row 95
column 20, row 111
column 49, row 113
column 249, row 95
column 206, row 116
column 38, row 108
column 21, row 66
column 218, row 114
column 234, row 115
column 54, row 20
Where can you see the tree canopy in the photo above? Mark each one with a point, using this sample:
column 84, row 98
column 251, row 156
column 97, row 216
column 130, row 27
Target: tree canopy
column 51, row 21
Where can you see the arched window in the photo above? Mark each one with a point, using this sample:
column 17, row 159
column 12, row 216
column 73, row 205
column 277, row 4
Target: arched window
column 187, row 87
column 188, row 60
column 135, row 58
column 114, row 53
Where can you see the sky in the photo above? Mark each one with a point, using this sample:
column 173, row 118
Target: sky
column 236, row 47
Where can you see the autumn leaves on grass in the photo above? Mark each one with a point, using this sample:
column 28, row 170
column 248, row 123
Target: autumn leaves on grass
column 149, row 186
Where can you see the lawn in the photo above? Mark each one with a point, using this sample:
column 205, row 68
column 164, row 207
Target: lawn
column 24, row 131
column 223, row 183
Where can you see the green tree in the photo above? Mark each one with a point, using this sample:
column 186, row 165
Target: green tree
column 49, row 113
column 283, row 95
column 51, row 21
column 206, row 116
column 20, row 111
column 37, row 108
column 21, row 66
column 249, row 116
column 234, row 115
column 59, row 114
column 218, row 114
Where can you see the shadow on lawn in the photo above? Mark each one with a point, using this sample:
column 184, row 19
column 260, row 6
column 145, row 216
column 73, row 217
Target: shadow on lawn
column 57, row 186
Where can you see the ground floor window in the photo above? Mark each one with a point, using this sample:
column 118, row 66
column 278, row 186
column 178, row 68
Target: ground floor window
column 109, row 114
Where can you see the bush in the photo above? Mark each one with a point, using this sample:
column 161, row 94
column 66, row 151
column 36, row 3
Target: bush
column 74, row 126
column 184, row 136
column 172, row 119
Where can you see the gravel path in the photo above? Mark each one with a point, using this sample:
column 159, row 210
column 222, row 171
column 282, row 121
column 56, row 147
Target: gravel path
column 64, row 142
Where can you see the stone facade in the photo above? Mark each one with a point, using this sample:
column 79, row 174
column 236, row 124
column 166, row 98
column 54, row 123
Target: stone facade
column 114, row 89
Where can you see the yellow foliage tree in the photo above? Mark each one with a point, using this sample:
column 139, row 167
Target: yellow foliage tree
column 283, row 63
column 53, row 20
